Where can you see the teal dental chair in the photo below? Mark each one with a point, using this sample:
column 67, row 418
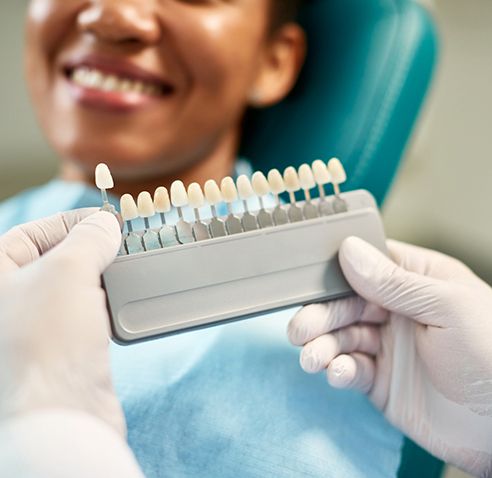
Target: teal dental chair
column 369, row 66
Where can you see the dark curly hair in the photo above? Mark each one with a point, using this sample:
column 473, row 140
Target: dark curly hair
column 284, row 11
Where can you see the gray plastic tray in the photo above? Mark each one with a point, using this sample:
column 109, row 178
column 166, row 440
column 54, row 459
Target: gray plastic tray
column 184, row 287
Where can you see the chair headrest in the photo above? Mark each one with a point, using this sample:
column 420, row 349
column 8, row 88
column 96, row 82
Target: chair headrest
column 368, row 69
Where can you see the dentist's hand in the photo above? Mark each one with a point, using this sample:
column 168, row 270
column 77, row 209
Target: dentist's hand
column 417, row 340
column 53, row 318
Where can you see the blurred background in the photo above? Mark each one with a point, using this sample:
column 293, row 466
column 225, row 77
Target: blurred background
column 442, row 197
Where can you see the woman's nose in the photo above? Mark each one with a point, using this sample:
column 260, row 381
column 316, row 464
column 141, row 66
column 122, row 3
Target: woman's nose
column 120, row 21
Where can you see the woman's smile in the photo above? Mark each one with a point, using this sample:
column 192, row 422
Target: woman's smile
column 114, row 85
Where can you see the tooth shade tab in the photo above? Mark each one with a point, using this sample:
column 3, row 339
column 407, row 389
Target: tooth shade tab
column 195, row 196
column 244, row 187
column 212, row 193
column 145, row 205
column 179, row 197
column 337, row 171
column 276, row 181
column 128, row 208
column 260, row 184
column 229, row 191
column 321, row 174
column 104, row 180
column 291, row 179
column 162, row 203
column 306, row 177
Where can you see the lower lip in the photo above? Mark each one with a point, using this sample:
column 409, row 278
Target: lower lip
column 111, row 101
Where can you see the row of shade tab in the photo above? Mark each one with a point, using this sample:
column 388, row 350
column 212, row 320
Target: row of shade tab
column 305, row 178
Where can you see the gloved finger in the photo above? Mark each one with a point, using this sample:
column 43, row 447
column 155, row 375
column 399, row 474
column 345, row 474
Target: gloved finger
column 356, row 371
column 88, row 249
column 25, row 243
column 428, row 262
column 379, row 280
column 318, row 319
column 317, row 354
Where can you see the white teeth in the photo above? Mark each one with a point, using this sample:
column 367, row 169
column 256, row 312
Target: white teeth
column 212, row 192
column 229, row 191
column 179, row 197
column 291, row 180
column 306, row 178
column 104, row 180
column 162, row 203
column 260, row 184
column 129, row 210
column 110, row 83
column 145, row 205
column 338, row 174
column 90, row 78
column 276, row 181
column 244, row 187
column 321, row 173
column 195, row 196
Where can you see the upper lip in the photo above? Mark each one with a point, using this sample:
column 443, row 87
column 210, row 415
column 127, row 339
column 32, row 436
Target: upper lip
column 118, row 67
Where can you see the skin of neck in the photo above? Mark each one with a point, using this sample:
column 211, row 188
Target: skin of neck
column 216, row 164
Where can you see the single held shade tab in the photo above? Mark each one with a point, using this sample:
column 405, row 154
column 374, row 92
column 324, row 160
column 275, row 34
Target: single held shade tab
column 104, row 180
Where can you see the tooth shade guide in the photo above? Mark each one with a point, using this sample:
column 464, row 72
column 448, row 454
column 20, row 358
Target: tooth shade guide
column 104, row 181
column 197, row 200
column 151, row 240
column 134, row 243
column 338, row 174
column 325, row 207
column 248, row 220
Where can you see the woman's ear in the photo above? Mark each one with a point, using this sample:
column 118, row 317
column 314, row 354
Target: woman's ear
column 280, row 66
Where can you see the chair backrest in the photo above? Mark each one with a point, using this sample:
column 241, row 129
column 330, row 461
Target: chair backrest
column 369, row 66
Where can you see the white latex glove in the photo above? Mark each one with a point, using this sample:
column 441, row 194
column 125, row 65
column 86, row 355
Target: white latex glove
column 53, row 316
column 417, row 340
column 59, row 415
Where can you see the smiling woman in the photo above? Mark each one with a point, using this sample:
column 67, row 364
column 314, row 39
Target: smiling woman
column 111, row 71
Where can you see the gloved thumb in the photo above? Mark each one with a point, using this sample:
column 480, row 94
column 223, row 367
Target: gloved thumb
column 379, row 280
column 89, row 248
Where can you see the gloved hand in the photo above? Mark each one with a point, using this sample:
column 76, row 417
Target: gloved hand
column 417, row 340
column 53, row 318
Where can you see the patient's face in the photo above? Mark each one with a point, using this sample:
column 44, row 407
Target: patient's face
column 145, row 86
